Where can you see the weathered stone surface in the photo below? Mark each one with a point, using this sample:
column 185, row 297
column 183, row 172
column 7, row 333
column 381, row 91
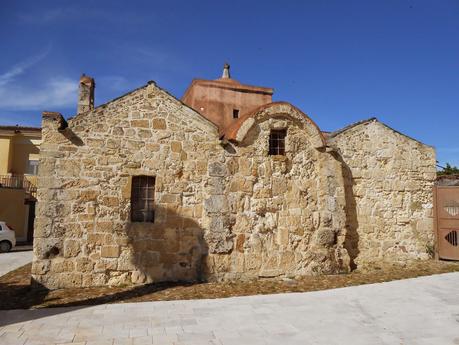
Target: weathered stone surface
column 110, row 251
column 222, row 213
column 216, row 204
column 388, row 191
column 159, row 124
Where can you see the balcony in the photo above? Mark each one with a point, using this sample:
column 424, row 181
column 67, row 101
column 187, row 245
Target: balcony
column 20, row 182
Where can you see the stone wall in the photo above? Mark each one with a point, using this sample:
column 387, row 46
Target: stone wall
column 224, row 209
column 221, row 210
column 83, row 232
column 286, row 213
column 389, row 180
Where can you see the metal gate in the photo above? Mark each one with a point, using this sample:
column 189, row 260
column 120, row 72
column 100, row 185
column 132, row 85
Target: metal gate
column 446, row 206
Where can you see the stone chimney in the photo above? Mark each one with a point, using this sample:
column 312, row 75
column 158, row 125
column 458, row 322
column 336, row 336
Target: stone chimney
column 86, row 94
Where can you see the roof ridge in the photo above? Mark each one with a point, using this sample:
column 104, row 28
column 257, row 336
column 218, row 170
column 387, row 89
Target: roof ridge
column 150, row 82
column 373, row 119
column 352, row 125
column 17, row 127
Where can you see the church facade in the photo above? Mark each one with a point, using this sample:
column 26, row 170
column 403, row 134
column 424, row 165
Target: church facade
column 223, row 184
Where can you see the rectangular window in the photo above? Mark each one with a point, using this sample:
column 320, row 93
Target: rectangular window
column 235, row 113
column 142, row 199
column 277, row 141
column 32, row 167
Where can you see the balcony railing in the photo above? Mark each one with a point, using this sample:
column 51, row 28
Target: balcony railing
column 18, row 182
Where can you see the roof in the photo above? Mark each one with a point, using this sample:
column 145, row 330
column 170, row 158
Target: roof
column 18, row 128
column 231, row 132
column 352, row 125
column 228, row 84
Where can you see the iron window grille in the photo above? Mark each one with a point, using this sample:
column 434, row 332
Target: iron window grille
column 142, row 199
column 277, row 142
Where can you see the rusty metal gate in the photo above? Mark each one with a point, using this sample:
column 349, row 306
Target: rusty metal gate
column 446, row 206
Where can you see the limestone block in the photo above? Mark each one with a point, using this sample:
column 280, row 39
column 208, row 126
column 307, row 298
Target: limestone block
column 159, row 123
column 279, row 186
column 104, row 265
column 176, row 146
column 88, row 195
column 143, row 133
column 283, row 236
column 240, row 240
column 59, row 265
column 40, row 267
column 110, row 251
column 71, row 248
column 93, row 279
column 138, row 277
column 170, row 198
column 84, row 265
column 217, row 169
column 245, row 166
column 241, row 184
column 68, row 280
column 140, row 123
column 219, row 243
column 118, row 131
column 216, row 204
column 119, row 279
column 325, row 237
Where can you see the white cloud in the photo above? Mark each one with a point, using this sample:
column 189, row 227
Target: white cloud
column 57, row 92
column 154, row 56
column 113, row 83
column 21, row 67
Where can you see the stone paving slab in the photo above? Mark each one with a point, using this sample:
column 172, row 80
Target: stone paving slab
column 15, row 259
column 409, row 312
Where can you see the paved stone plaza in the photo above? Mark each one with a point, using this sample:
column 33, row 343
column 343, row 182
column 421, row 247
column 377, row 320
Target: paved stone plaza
column 12, row 260
column 414, row 311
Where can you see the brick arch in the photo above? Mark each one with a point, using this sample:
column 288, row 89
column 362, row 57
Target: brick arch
column 239, row 129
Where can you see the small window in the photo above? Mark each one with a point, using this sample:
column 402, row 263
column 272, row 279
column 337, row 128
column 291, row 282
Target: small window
column 32, row 167
column 142, row 199
column 235, row 113
column 277, row 142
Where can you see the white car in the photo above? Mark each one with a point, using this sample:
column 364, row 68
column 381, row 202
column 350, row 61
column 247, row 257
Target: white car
column 7, row 238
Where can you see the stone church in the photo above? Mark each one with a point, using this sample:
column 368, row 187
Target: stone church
column 222, row 184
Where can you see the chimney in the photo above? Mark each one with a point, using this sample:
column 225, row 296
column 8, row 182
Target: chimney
column 86, row 94
column 226, row 72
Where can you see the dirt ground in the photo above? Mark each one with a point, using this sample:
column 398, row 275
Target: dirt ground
column 16, row 292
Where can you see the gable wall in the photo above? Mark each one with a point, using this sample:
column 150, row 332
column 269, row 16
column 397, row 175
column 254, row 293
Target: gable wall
column 285, row 213
column 389, row 180
column 83, row 235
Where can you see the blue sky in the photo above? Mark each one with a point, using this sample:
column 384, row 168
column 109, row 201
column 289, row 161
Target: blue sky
column 339, row 61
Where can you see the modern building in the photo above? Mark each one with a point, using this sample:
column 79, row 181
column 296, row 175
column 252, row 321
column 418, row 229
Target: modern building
column 19, row 156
